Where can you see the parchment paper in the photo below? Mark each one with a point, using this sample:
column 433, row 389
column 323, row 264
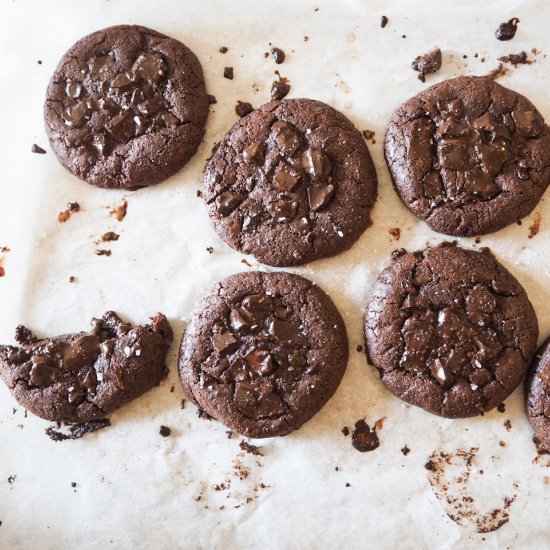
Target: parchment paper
column 136, row 489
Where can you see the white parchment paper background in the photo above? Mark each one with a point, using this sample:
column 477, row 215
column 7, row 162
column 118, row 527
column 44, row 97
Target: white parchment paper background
column 136, row 489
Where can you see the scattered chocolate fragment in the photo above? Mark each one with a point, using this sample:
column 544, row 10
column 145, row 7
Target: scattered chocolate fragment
column 39, row 61
column 430, row 466
column 507, row 31
column 368, row 134
column 72, row 207
column 228, row 73
column 250, row 449
column 427, row 64
column 497, row 72
column 76, row 431
column 359, row 348
column 278, row 55
column 534, row 228
column 120, row 211
column 110, row 236
column 72, row 279
column 102, row 252
column 345, row 431
column 73, row 484
column 501, row 408
column 11, row 479
column 515, row 59
column 395, row 232
column 405, row 450
column 203, row 414
column 165, row 431
column 383, row 21
column 224, row 49
column 243, row 108
column 280, row 88
column 37, row 149
column 363, row 438
column 209, row 249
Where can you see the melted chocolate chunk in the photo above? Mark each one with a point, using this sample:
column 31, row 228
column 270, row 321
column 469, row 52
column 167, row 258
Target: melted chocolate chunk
column 428, row 63
column 278, row 55
column 280, row 89
column 363, row 438
column 507, row 31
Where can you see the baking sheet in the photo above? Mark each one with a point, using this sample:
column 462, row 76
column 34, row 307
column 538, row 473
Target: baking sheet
column 197, row 488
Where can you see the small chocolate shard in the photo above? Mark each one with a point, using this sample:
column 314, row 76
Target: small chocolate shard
column 428, row 63
column 383, row 21
column 228, row 73
column 507, row 31
column 37, row 149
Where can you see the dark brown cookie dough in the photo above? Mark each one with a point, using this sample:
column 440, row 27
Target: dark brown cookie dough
column 290, row 183
column 468, row 156
column 450, row 330
column 126, row 107
column 85, row 376
column 537, row 395
column 263, row 352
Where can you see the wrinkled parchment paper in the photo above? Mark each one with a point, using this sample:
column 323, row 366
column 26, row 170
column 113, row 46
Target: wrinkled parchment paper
column 198, row 488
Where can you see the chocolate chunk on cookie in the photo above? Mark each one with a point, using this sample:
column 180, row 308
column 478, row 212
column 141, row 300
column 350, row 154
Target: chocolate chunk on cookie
column 537, row 395
column 450, row 330
column 468, row 156
column 126, row 107
column 290, row 183
column 263, row 352
column 85, row 376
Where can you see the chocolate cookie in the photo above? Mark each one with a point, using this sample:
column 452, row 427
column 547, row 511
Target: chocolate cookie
column 126, row 107
column 537, row 395
column 290, row 183
column 263, row 352
column 85, row 376
column 450, row 330
column 468, row 156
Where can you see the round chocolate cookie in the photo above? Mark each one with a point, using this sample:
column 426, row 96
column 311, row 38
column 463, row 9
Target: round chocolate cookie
column 291, row 182
column 85, row 376
column 537, row 395
column 126, row 107
column 450, row 330
column 263, row 352
column 468, row 156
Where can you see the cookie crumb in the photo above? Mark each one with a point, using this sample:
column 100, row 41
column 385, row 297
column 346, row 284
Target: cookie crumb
column 508, row 425
column 278, row 55
column 345, row 431
column 405, row 450
column 212, row 99
column 534, row 228
column 73, row 484
column 501, row 408
column 516, row 59
column 165, row 431
column 119, row 212
column 224, row 49
column 110, row 236
column 395, row 232
column 507, row 31
column 182, row 404
column 103, row 252
column 359, row 348
column 72, row 279
column 203, row 414
column 383, row 21
column 243, row 108
column 499, row 71
column 348, row 484
column 37, row 149
column 209, row 249
column 368, row 134
column 72, row 207
column 228, row 73
column 76, row 431
column 11, row 479
column 250, row 449
column 229, row 434
column 427, row 63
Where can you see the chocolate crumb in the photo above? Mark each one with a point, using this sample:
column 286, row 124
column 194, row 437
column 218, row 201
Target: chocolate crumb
column 209, row 249
column 501, row 408
column 165, row 431
column 500, row 70
column 250, row 449
column 428, row 63
column 228, row 73
column 72, row 207
column 203, row 414
column 109, row 236
column 508, row 425
column 199, row 193
column 11, row 479
column 348, row 485
column 368, row 134
column 39, row 61
column 245, row 262
column 395, row 232
column 364, row 438
column 278, row 55
column 229, row 434
column 243, row 108
column 102, row 252
column 72, row 279
column 224, row 49
column 182, row 404
column 507, row 31
column 345, row 431
column 405, row 450
column 37, row 149
column 24, row 335
column 430, row 465
column 119, row 212
column 76, row 431
column 534, row 228
column 306, row 38
column 280, row 88
column 73, row 484
column 172, row 388
column 336, row 468
column 383, row 21
column 359, row 348
column 502, row 443
column 515, row 59
column 212, row 99
column 477, row 240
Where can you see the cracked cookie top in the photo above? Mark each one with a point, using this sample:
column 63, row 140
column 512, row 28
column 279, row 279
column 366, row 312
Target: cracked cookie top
column 126, row 107
column 87, row 375
column 468, row 156
column 290, row 183
column 450, row 330
column 263, row 352
column 537, row 395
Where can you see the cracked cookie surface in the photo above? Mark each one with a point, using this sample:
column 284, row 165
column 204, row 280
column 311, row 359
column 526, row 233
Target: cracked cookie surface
column 85, row 376
column 450, row 330
column 263, row 352
column 537, row 395
column 468, row 156
column 290, row 183
column 126, row 107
